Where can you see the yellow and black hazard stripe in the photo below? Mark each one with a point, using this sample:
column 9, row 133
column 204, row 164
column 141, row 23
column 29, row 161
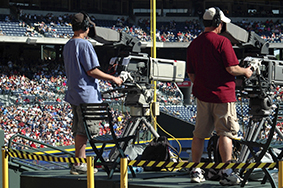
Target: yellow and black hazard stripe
column 166, row 164
column 32, row 156
column 143, row 163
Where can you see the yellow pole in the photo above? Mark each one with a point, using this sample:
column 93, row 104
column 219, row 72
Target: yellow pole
column 124, row 173
column 153, row 41
column 153, row 27
column 90, row 171
column 5, row 170
column 280, row 175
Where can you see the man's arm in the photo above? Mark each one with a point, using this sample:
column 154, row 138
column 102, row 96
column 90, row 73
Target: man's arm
column 238, row 71
column 96, row 73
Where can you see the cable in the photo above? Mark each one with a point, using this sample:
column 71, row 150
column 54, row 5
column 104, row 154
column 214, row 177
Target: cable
column 151, row 112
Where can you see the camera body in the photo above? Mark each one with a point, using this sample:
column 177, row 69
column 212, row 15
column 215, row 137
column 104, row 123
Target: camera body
column 138, row 70
column 134, row 66
column 141, row 69
column 253, row 51
column 267, row 74
column 261, row 86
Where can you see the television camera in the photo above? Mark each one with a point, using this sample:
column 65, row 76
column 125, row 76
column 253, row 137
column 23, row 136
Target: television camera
column 252, row 51
column 137, row 69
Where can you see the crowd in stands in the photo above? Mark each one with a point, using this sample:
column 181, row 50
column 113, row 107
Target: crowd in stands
column 46, row 123
column 51, row 123
column 30, row 86
column 185, row 32
column 33, row 83
column 168, row 94
column 268, row 30
column 170, row 31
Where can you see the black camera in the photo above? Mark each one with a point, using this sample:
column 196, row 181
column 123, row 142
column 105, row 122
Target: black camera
column 253, row 51
column 267, row 74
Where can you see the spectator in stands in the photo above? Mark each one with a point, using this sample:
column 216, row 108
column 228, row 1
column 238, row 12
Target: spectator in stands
column 10, row 64
column 212, row 66
column 82, row 71
column 26, row 100
column 7, row 18
column 1, row 33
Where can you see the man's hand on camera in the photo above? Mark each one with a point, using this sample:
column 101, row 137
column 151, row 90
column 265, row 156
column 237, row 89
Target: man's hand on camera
column 248, row 72
column 118, row 81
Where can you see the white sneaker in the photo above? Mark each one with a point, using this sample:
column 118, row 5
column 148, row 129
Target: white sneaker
column 80, row 169
column 197, row 175
column 231, row 179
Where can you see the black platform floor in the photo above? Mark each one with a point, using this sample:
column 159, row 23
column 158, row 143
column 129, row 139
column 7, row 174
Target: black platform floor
column 62, row 179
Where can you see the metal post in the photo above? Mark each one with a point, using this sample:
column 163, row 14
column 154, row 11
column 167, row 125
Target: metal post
column 124, row 173
column 153, row 47
column 280, row 175
column 5, row 170
column 90, row 171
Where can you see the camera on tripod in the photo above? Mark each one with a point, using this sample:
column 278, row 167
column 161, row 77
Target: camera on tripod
column 137, row 69
column 137, row 72
column 267, row 74
column 253, row 51
column 260, row 87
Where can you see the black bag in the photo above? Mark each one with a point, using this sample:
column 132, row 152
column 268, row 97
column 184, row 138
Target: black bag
column 158, row 150
column 214, row 156
column 212, row 149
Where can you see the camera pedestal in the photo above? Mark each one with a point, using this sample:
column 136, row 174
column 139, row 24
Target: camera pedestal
column 133, row 127
column 260, row 110
column 258, row 147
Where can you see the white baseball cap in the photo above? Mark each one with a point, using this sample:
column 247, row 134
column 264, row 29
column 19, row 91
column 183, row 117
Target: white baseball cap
column 210, row 13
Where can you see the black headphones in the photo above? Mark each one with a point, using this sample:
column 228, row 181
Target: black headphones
column 85, row 24
column 216, row 18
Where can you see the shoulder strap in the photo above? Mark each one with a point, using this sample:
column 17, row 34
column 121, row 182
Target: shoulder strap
column 174, row 149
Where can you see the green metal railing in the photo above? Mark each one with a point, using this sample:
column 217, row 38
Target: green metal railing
column 47, row 150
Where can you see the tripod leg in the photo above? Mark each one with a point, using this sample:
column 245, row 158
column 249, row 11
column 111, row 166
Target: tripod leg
column 128, row 127
column 251, row 136
column 248, row 135
column 150, row 127
column 156, row 135
column 128, row 130
column 134, row 128
column 279, row 132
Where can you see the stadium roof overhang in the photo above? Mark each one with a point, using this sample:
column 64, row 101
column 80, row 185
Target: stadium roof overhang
column 62, row 41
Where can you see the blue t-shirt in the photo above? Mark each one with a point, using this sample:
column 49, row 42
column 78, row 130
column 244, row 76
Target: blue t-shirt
column 80, row 57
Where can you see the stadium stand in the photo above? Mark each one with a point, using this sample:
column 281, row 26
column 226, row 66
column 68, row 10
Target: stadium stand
column 46, row 93
column 167, row 31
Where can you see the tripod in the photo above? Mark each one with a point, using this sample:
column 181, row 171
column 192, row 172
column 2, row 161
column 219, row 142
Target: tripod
column 139, row 109
column 260, row 110
column 133, row 127
column 138, row 101
column 255, row 126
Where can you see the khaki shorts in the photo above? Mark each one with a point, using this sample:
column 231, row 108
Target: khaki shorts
column 78, row 124
column 221, row 117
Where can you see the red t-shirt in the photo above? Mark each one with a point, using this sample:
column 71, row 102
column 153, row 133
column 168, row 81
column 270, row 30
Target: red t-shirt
column 207, row 57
